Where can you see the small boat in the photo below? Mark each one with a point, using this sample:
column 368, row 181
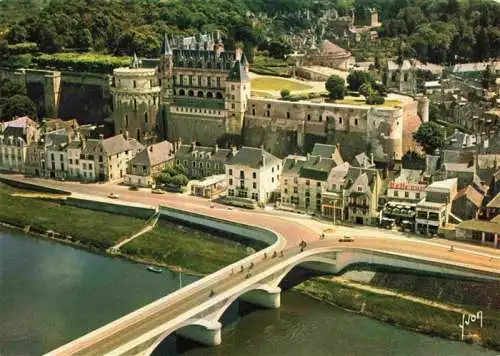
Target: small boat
column 154, row 269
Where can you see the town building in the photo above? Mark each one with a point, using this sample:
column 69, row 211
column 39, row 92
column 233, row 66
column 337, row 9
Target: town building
column 55, row 164
column 493, row 207
column 253, row 173
column 433, row 211
column 361, row 193
column 481, row 232
column 333, row 203
column 328, row 55
column 210, row 187
column 407, row 187
column 200, row 161
column 400, row 77
column 148, row 164
column 15, row 136
column 467, row 203
column 304, row 178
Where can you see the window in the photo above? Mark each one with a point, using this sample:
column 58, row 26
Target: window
column 318, row 195
column 340, row 120
column 85, row 166
column 230, row 172
column 230, row 192
column 285, row 191
column 308, row 182
column 254, row 185
column 287, row 115
column 268, row 113
column 194, row 164
column 90, row 166
column 70, row 161
column 360, row 188
column 253, row 112
column 254, row 175
column 417, row 195
column 286, row 181
column 255, row 196
column 295, row 189
column 407, row 194
column 309, row 117
column 295, row 180
column 406, row 77
column 146, row 117
column 135, row 84
column 318, row 184
column 52, row 157
column 242, row 174
column 356, row 122
column 396, row 193
column 100, row 158
column 320, row 118
column 230, row 181
column 272, row 180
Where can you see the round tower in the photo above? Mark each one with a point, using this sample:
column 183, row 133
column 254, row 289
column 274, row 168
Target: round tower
column 423, row 107
column 136, row 102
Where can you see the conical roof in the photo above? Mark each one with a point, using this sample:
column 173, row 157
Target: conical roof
column 244, row 61
column 165, row 48
column 237, row 73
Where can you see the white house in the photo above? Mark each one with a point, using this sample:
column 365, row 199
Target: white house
column 252, row 173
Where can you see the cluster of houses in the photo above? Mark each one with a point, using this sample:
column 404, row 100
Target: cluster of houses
column 454, row 192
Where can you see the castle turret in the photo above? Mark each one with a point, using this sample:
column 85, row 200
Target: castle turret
column 238, row 92
column 165, row 70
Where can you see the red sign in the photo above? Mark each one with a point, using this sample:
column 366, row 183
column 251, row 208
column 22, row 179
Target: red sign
column 406, row 186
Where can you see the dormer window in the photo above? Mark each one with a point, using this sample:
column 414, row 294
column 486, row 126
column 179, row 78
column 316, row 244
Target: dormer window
column 360, row 188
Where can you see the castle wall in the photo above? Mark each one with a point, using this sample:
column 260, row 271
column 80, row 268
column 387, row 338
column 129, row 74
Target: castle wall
column 205, row 130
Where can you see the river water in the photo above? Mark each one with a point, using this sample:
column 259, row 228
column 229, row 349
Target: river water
column 51, row 294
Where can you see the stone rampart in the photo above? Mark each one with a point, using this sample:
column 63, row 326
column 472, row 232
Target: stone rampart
column 128, row 209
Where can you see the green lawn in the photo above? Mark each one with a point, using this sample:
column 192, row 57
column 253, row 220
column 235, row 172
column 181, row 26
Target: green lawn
column 267, row 83
column 261, row 94
column 191, row 249
column 389, row 103
column 97, row 229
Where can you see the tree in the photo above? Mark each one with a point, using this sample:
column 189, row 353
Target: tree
column 10, row 88
column 431, row 136
column 83, row 39
column 366, row 90
column 16, row 34
column 357, row 78
column 180, row 180
column 285, row 93
column 412, row 160
column 4, row 49
column 18, row 105
column 335, row 85
column 279, row 49
column 488, row 78
column 164, row 178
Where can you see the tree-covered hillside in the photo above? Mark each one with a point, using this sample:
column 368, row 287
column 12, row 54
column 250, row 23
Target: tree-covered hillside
column 441, row 31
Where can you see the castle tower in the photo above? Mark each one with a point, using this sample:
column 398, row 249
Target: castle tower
column 165, row 71
column 136, row 101
column 237, row 94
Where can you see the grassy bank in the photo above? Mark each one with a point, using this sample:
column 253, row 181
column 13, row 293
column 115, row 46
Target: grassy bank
column 194, row 250
column 96, row 230
column 168, row 244
column 405, row 313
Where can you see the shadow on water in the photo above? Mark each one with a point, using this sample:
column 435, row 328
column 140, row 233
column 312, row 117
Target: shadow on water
column 176, row 345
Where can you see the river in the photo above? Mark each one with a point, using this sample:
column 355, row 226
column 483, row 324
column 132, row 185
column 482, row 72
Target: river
column 52, row 293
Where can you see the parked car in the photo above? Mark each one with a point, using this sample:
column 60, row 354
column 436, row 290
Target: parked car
column 157, row 191
column 133, row 188
column 113, row 196
column 346, row 239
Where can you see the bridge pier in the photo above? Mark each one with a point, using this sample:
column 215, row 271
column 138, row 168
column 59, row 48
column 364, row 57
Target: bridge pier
column 208, row 334
column 269, row 297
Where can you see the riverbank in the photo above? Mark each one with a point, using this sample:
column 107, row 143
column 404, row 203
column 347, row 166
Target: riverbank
column 169, row 245
column 401, row 311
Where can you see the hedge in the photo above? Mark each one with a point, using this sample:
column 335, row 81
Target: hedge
column 87, row 62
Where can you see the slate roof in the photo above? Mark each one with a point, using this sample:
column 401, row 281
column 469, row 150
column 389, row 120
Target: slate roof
column 293, row 164
column 323, row 150
column 446, row 184
column 56, row 142
column 15, row 131
column 56, row 124
column 221, row 154
column 317, row 168
column 409, row 176
column 154, row 155
column 253, row 157
column 354, row 172
column 361, row 160
column 459, row 167
column 118, row 143
column 471, row 194
column 238, row 73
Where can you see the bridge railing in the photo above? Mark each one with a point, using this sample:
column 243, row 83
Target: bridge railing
column 180, row 294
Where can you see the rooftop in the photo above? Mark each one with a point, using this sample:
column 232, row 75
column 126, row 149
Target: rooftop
column 409, row 176
column 479, row 225
column 253, row 157
column 317, row 168
column 472, row 194
column 443, row 184
column 154, row 155
column 19, row 122
column 495, row 202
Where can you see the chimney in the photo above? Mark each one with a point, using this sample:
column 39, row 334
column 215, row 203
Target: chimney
column 101, row 137
column 371, row 158
column 216, row 148
column 233, row 150
column 193, row 143
column 125, row 134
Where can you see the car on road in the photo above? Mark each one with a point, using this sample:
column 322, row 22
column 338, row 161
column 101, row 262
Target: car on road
column 346, row 239
column 113, row 196
column 157, row 191
column 133, row 188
